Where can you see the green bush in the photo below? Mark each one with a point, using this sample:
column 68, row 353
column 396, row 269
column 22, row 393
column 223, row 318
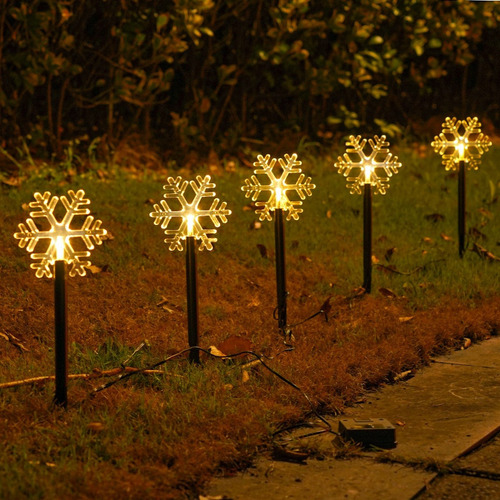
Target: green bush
column 196, row 73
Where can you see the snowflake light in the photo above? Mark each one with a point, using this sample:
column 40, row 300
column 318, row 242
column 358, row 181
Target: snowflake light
column 189, row 213
column 278, row 186
column 461, row 140
column 362, row 167
column 60, row 234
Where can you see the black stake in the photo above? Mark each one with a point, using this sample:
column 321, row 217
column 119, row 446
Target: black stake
column 192, row 298
column 61, row 340
column 279, row 236
column 367, row 238
column 461, row 208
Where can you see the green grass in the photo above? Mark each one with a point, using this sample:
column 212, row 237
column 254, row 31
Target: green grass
column 166, row 434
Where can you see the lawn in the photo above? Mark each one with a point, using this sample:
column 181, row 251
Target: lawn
column 163, row 434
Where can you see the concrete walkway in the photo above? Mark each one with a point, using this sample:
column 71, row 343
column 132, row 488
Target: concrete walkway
column 442, row 414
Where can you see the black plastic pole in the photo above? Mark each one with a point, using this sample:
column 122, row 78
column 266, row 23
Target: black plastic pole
column 461, row 208
column 61, row 339
column 367, row 238
column 192, row 298
column 279, row 236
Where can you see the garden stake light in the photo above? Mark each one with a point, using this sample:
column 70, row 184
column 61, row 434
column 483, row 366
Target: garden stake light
column 190, row 229
column 375, row 169
column 58, row 253
column 461, row 142
column 279, row 202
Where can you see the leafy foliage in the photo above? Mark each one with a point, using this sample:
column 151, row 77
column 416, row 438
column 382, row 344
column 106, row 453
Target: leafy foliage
column 205, row 71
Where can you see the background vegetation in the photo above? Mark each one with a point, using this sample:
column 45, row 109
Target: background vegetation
column 222, row 74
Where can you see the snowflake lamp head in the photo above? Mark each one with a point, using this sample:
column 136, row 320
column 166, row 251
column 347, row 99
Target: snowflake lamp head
column 461, row 140
column 361, row 167
column 58, row 233
column 188, row 213
column 278, row 187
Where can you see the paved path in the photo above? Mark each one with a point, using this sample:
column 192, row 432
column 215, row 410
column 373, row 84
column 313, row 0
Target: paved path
column 442, row 414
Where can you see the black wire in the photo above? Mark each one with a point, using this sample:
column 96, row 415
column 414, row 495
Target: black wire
column 309, row 318
column 226, row 356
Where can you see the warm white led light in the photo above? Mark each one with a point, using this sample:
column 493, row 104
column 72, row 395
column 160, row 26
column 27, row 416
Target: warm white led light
column 374, row 168
column 278, row 197
column 461, row 140
column 278, row 186
column 190, row 213
column 368, row 169
column 60, row 248
column 189, row 224
column 60, row 233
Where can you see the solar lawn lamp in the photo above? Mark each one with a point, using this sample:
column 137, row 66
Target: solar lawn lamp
column 190, row 211
column 53, row 260
column 461, row 144
column 279, row 187
column 368, row 173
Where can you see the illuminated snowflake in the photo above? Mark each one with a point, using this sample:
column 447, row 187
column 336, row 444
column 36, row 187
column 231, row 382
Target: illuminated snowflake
column 278, row 186
column 189, row 213
column 30, row 235
column 461, row 140
column 375, row 168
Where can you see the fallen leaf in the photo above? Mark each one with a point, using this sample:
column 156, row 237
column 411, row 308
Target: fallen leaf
column 216, row 352
column 12, row 182
column 234, row 345
column 405, row 319
column 425, row 285
column 467, row 343
column 477, row 234
column 375, row 260
column 446, row 237
column 263, row 251
column 326, row 307
column 328, row 214
column 425, row 239
column 166, row 305
column 96, row 426
column 403, row 375
column 14, row 341
column 484, row 253
column 305, row 258
column 434, row 217
column 358, row 292
column 245, row 376
column 281, row 453
column 389, row 253
column 485, row 212
column 400, row 423
column 387, row 292
column 256, row 224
